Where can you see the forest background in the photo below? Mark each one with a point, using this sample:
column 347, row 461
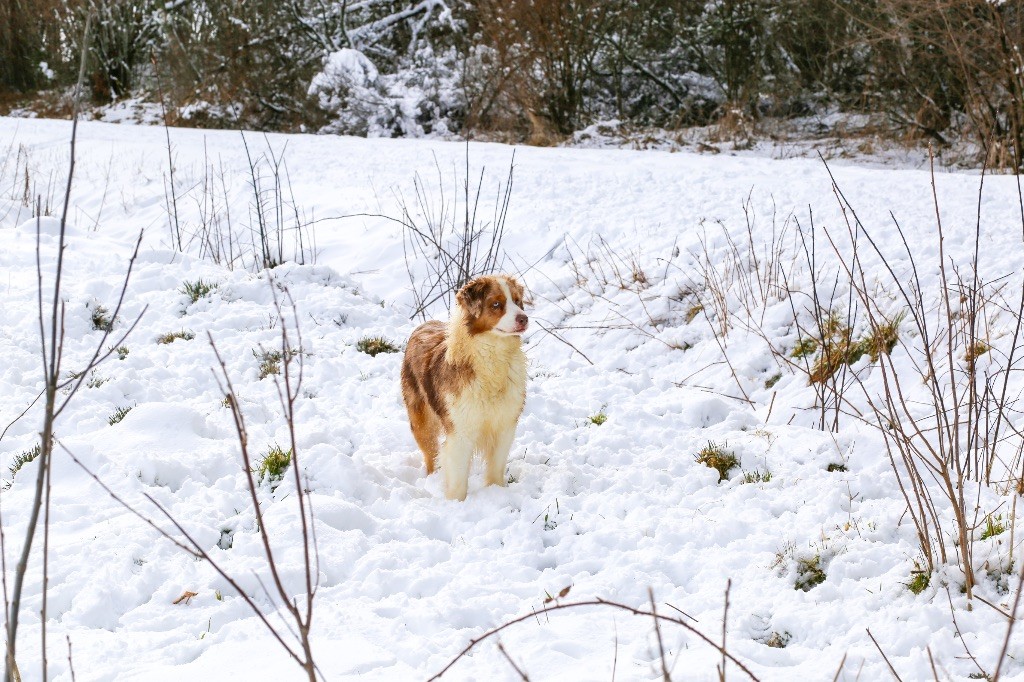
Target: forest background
column 944, row 72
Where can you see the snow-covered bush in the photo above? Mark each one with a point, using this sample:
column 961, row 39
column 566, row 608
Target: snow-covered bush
column 418, row 100
column 348, row 89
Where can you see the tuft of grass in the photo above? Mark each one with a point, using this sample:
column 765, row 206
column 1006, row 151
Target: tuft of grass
column 836, row 466
column 718, row 458
column 975, row 351
column 693, row 312
column 757, row 476
column 197, row 289
column 23, row 458
column 804, row 348
column 809, row 573
column 837, row 347
column 993, row 526
column 882, row 339
column 599, row 418
column 119, row 414
column 272, row 465
column 101, row 320
column 171, row 337
column 777, row 640
column 96, row 381
column 772, row 380
column 122, row 352
column 373, row 345
column 270, row 361
column 919, row 582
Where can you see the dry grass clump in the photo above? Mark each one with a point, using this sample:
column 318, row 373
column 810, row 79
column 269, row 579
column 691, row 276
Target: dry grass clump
column 837, row 347
column 809, row 573
column 171, row 337
column 718, row 458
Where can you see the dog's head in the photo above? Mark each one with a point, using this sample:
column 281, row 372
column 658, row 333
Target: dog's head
column 493, row 303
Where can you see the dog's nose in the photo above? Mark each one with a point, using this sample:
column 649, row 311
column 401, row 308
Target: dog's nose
column 522, row 320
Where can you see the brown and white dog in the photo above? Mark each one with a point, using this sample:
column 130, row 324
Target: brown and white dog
column 466, row 381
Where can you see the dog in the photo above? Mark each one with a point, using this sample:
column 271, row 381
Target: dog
column 465, row 381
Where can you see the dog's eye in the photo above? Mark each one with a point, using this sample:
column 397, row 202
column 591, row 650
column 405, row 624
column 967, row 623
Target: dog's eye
column 496, row 305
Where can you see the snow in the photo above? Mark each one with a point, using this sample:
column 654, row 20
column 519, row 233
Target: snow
column 615, row 511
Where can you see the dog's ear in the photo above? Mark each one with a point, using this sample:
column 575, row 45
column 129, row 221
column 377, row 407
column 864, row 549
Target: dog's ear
column 516, row 289
column 471, row 297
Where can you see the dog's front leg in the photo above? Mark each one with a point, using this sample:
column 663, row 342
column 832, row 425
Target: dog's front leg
column 496, row 457
column 456, row 455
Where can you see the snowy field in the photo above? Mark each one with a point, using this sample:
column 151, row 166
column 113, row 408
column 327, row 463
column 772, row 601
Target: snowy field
column 609, row 244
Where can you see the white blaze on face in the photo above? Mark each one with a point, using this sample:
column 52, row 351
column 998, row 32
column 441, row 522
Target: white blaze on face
column 507, row 324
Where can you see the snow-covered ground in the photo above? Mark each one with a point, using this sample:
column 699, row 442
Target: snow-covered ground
column 607, row 242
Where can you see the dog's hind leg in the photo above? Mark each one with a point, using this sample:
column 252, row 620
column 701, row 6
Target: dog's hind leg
column 426, row 429
column 456, row 455
column 496, row 457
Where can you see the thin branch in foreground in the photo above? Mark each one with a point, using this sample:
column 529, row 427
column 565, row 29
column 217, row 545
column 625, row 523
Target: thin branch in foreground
column 597, row 602
column 519, row 671
column 884, row 657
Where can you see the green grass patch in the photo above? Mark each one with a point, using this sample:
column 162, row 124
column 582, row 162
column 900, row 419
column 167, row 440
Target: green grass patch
column 119, row 414
column 272, row 465
column 23, row 458
column 836, row 466
column 919, row 581
column 197, row 289
column 994, row 526
column 804, row 348
column 374, row 345
column 599, row 418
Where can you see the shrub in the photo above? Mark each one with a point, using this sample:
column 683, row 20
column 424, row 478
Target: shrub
column 718, row 458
